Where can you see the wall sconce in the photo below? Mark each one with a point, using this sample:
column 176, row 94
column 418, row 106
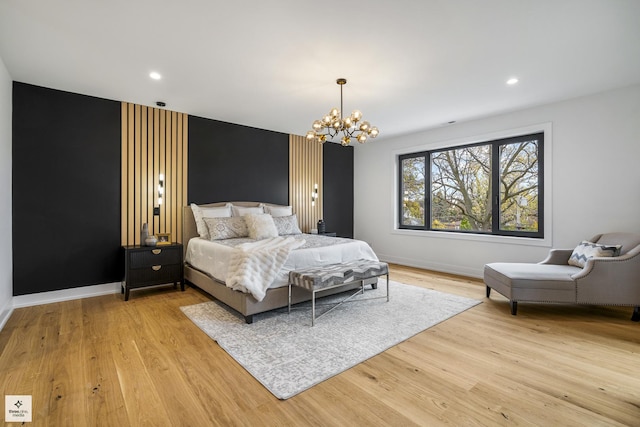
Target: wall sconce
column 156, row 210
column 314, row 195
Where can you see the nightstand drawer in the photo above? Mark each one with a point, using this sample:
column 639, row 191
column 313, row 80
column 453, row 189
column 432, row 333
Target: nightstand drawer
column 157, row 274
column 155, row 256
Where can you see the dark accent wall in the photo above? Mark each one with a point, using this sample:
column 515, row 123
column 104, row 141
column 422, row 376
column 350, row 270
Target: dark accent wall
column 337, row 172
column 66, row 190
column 66, row 175
column 230, row 162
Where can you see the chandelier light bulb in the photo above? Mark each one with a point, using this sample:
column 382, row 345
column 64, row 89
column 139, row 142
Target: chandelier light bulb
column 333, row 125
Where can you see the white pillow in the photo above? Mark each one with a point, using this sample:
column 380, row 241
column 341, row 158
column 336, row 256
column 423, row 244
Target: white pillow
column 287, row 225
column 216, row 211
column 260, row 226
column 226, row 228
column 243, row 210
column 197, row 216
column 276, row 211
column 199, row 213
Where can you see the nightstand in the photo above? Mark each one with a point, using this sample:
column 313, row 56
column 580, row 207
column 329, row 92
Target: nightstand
column 328, row 233
column 152, row 265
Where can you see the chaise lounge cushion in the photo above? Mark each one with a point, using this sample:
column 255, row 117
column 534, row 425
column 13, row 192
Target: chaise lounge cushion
column 533, row 282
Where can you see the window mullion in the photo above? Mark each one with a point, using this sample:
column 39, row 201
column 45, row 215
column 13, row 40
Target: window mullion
column 428, row 217
column 495, row 187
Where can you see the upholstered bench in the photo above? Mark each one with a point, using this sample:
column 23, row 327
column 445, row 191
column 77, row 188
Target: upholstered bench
column 317, row 279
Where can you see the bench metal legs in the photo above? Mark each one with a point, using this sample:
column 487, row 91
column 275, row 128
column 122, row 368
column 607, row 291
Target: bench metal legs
column 359, row 292
column 313, row 302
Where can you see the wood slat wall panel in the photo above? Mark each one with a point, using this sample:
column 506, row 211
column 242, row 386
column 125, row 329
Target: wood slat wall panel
column 162, row 169
column 150, row 166
column 305, row 170
column 144, row 179
column 154, row 142
column 137, row 191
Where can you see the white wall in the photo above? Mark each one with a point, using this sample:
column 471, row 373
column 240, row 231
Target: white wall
column 595, row 183
column 6, row 269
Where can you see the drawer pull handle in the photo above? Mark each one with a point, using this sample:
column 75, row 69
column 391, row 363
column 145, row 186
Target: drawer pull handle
column 156, row 267
column 156, row 251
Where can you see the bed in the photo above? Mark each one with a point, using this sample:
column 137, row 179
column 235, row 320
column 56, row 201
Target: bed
column 205, row 264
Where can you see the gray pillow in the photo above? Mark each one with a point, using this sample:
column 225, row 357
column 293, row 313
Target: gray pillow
column 287, row 225
column 226, row 228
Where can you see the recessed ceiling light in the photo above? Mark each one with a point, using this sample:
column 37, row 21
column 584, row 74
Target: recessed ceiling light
column 512, row 81
column 155, row 76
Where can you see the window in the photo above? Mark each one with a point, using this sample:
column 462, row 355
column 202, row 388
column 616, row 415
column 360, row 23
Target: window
column 493, row 187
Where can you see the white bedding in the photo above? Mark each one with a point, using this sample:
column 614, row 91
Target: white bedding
column 213, row 257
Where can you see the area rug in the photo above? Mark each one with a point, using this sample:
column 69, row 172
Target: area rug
column 287, row 355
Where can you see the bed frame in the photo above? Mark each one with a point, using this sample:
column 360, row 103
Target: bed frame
column 243, row 303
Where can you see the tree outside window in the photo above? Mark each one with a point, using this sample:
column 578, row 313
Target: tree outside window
column 493, row 187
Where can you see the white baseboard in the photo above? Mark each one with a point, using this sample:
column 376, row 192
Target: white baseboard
column 66, row 294
column 5, row 313
column 434, row 266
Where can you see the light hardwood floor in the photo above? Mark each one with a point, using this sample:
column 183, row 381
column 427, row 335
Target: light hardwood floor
column 103, row 361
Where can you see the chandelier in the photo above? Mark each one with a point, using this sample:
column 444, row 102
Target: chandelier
column 333, row 124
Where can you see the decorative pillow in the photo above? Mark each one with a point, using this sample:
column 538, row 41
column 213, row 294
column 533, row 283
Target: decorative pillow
column 277, row 211
column 287, row 225
column 199, row 213
column 586, row 250
column 216, row 211
column 226, row 228
column 260, row 226
column 243, row 210
column 201, row 227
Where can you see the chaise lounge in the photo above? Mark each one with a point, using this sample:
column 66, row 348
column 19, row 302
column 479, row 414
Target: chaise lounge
column 602, row 271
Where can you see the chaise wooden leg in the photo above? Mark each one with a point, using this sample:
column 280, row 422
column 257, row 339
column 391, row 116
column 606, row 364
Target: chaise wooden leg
column 248, row 319
column 488, row 291
column 514, row 307
column 635, row 317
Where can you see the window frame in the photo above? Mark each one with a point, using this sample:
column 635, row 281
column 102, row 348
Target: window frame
column 495, row 142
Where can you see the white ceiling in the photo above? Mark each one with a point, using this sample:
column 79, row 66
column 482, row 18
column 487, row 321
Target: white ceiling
column 410, row 64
